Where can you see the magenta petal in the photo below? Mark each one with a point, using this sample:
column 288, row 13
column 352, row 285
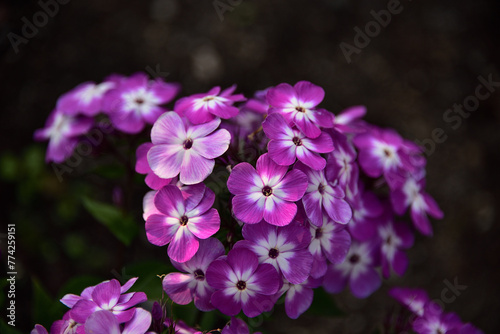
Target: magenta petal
column 225, row 303
column 242, row 260
column 159, row 230
column 282, row 152
column 276, row 127
column 321, row 144
column 421, row 221
column 335, row 281
column 313, row 160
column 299, row 266
column 292, row 187
column 308, row 92
column 176, row 285
column 139, row 323
column 202, row 130
column 142, row 165
column 205, row 225
column 82, row 309
column 244, row 179
column 249, row 208
column 225, row 111
column 265, row 279
column 339, row 247
column 183, row 245
column 280, row 95
column 106, row 294
column 256, row 305
column 124, row 316
column 168, row 129
column 400, row 262
column 398, row 200
column 214, row 145
column 195, row 168
column 270, row 172
column 102, row 322
column 155, row 182
column 339, row 210
column 166, row 160
column 218, row 274
column 279, row 212
column 365, row 284
column 168, row 201
column 433, row 208
column 39, row 329
column 307, row 126
column 313, row 208
column 298, row 300
column 70, row 300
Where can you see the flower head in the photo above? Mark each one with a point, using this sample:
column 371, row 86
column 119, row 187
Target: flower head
column 85, row 98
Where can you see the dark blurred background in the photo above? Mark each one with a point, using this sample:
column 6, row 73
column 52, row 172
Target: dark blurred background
column 429, row 57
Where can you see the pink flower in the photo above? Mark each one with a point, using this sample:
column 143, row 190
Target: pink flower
column 202, row 108
column 289, row 143
column 182, row 221
column 268, row 192
column 188, row 150
column 298, row 105
column 85, row 98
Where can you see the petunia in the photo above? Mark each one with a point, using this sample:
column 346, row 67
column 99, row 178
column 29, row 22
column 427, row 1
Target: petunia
column 203, row 108
column 242, row 283
column 323, row 196
column 182, row 221
column 267, row 192
column 288, row 144
column 421, row 204
column 137, row 101
column 182, row 288
column 185, row 150
column 330, row 242
column 358, row 271
column 283, row 247
column 85, row 98
column 63, row 132
column 298, row 105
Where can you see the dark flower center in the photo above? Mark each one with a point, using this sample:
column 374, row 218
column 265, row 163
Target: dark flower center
column 188, row 143
column 241, row 285
column 300, row 109
column 139, row 100
column 208, row 98
column 387, row 153
column 267, row 191
column 354, row 258
column 297, row 141
column 319, row 233
column 184, row 220
column 199, row 275
column 321, row 188
column 273, row 253
column 388, row 240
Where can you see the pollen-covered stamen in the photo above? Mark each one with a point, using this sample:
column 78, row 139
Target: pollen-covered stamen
column 297, row 141
column 267, row 191
column 241, row 285
column 184, row 220
column 208, row 98
column 188, row 143
column 300, row 109
column 199, row 275
column 387, row 153
column 354, row 258
column 273, row 253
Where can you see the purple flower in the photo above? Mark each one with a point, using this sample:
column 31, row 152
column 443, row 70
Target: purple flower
column 381, row 153
column 366, row 208
column 436, row 322
column 242, row 283
column 105, row 322
column 357, row 270
column 142, row 167
column 341, row 163
column 298, row 105
column 323, row 196
column 412, row 194
column 414, row 299
column 394, row 238
column 258, row 104
column 136, row 101
column 266, row 192
column 185, row 150
column 62, row 131
column 349, row 120
column 298, row 297
column 288, row 143
column 85, row 98
column 182, row 221
column 183, row 288
column 236, row 326
column 109, row 296
column 330, row 241
column 39, row 329
column 283, row 247
column 203, row 108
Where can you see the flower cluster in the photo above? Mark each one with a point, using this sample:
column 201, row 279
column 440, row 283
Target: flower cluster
column 104, row 308
column 129, row 102
column 427, row 315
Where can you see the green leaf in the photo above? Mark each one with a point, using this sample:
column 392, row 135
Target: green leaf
column 122, row 226
column 45, row 309
column 7, row 329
